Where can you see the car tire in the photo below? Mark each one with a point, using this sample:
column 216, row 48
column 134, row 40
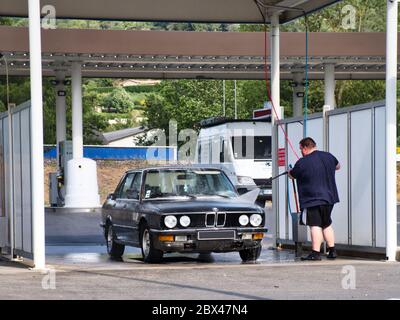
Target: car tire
column 149, row 253
column 251, row 254
column 115, row 250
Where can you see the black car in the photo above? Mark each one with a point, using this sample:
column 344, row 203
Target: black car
column 181, row 209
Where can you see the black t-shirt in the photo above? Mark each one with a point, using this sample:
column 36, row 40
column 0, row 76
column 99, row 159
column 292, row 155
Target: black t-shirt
column 315, row 175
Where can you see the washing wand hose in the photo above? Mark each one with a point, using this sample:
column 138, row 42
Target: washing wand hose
column 295, row 193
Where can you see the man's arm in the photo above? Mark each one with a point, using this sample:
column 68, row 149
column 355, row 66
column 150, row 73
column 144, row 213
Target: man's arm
column 336, row 162
column 294, row 173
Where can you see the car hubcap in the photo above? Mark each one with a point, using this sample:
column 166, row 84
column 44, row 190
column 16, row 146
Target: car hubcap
column 146, row 242
column 109, row 238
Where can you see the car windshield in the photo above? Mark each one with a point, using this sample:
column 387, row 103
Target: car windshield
column 194, row 183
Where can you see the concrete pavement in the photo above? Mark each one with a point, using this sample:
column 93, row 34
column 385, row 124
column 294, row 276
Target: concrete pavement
column 80, row 269
column 86, row 272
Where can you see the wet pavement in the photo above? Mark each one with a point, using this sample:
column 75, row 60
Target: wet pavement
column 95, row 256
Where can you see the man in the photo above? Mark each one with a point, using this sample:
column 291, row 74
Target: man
column 315, row 175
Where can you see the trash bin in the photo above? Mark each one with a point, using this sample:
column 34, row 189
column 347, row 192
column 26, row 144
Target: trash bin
column 299, row 233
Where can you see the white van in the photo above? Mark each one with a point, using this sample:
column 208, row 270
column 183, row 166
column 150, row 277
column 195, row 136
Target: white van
column 242, row 148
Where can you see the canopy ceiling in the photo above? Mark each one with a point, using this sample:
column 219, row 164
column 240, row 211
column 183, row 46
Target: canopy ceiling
column 211, row 11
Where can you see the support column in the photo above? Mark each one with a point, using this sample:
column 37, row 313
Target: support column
column 330, row 85
column 61, row 119
column 275, row 96
column 391, row 106
column 81, row 188
column 298, row 94
column 37, row 179
column 77, row 119
column 275, row 64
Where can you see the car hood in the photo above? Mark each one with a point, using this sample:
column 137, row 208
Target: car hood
column 200, row 205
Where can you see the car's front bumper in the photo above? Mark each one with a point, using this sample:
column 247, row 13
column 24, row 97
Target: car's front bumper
column 194, row 244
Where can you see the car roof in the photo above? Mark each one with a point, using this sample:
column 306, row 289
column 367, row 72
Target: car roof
column 175, row 167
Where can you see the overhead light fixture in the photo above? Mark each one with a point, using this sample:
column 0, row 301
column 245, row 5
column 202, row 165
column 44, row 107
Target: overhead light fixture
column 54, row 82
column 300, row 94
column 61, row 93
column 293, row 84
column 67, row 82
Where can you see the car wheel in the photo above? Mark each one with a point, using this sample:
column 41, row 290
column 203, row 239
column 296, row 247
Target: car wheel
column 149, row 253
column 251, row 254
column 115, row 250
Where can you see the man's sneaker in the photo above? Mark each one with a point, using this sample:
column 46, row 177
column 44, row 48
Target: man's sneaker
column 313, row 256
column 332, row 254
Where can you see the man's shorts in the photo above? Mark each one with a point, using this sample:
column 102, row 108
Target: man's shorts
column 319, row 216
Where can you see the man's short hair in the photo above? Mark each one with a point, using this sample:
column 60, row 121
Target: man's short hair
column 308, row 143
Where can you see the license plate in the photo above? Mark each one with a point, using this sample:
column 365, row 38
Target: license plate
column 216, row 235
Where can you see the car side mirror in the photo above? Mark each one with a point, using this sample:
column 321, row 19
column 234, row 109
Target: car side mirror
column 111, row 196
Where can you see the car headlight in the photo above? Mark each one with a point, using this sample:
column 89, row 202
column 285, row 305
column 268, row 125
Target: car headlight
column 255, row 220
column 170, row 221
column 243, row 220
column 184, row 221
column 246, row 181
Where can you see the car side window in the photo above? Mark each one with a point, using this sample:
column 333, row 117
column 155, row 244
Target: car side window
column 134, row 191
column 125, row 186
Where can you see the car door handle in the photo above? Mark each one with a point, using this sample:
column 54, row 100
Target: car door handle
column 124, row 206
column 114, row 204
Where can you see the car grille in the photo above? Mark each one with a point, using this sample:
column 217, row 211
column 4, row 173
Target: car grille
column 215, row 219
column 212, row 219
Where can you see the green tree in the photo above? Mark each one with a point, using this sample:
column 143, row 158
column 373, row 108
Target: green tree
column 118, row 101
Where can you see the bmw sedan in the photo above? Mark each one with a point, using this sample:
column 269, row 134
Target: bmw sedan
column 181, row 209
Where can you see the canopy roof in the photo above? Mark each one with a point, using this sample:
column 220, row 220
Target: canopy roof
column 211, row 55
column 215, row 11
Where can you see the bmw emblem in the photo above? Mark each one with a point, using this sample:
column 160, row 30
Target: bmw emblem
column 215, row 210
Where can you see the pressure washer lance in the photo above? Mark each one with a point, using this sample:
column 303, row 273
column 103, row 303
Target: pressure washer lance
column 279, row 175
column 273, row 178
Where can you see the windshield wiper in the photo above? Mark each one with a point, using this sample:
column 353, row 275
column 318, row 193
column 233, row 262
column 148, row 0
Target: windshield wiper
column 223, row 195
column 192, row 196
column 216, row 195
